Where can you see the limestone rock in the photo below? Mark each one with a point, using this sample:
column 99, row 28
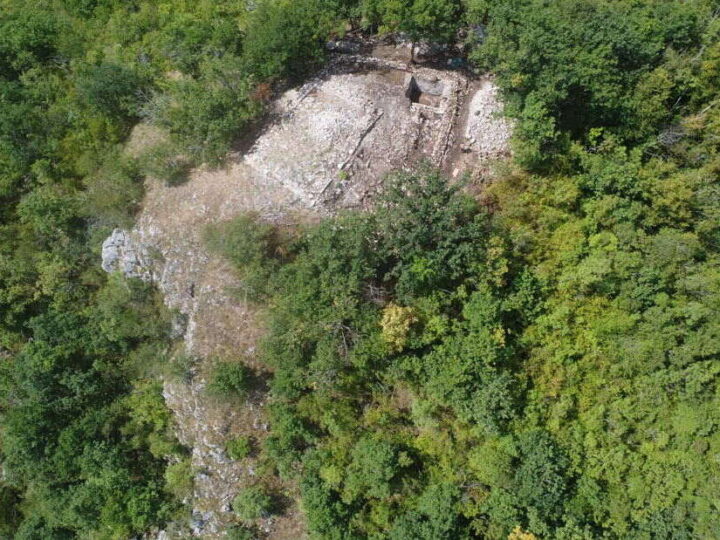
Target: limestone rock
column 120, row 253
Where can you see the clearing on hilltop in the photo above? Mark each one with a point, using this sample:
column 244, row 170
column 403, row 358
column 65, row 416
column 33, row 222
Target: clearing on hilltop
column 349, row 269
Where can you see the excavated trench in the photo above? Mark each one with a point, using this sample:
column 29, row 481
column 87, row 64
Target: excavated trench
column 424, row 92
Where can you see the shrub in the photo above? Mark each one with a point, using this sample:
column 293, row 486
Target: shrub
column 237, row 532
column 326, row 514
column 396, row 322
column 519, row 534
column 179, row 478
column 246, row 241
column 9, row 511
column 127, row 312
column 181, row 367
column 110, row 89
column 253, row 246
column 285, row 38
column 435, row 516
column 150, row 419
column 252, row 503
column 435, row 20
column 165, row 162
column 492, row 462
column 229, row 380
column 374, row 465
column 541, row 479
column 205, row 114
column 239, row 447
column 435, row 234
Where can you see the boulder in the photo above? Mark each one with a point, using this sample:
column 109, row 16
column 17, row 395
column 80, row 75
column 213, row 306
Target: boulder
column 121, row 254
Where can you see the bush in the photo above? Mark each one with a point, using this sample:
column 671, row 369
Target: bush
column 253, row 246
column 326, row 514
column 246, row 241
column 434, row 234
column 574, row 65
column 239, row 448
column 435, row 517
column 110, row 89
column 127, row 312
column 541, row 479
column 165, row 162
column 9, row 511
column 252, row 503
column 205, row 114
column 396, row 322
column 434, row 20
column 285, row 38
column 374, row 465
column 181, row 367
column 237, row 532
column 229, row 380
column 150, row 419
column 179, row 479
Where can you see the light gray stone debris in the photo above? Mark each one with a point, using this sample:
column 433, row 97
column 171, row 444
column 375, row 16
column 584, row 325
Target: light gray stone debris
column 199, row 522
column 120, row 253
column 179, row 324
column 343, row 46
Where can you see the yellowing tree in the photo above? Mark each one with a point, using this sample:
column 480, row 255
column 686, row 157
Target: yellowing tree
column 396, row 322
column 519, row 534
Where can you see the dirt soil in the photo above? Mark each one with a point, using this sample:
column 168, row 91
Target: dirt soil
column 325, row 146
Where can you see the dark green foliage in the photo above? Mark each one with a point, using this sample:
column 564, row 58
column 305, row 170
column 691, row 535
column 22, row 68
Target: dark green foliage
column 237, row 532
column 433, row 517
column 358, row 458
column 69, row 435
column 285, row 38
column 252, row 503
column 230, row 380
column 10, row 515
column 28, row 39
column 113, row 192
column 327, row 515
column 433, row 20
column 433, row 234
column 239, row 448
column 179, row 479
column 37, row 527
column 204, row 114
column 110, row 89
column 246, row 241
column 372, row 468
column 466, row 370
column 166, row 162
column 545, row 370
column 290, row 437
column 190, row 38
column 616, row 361
column 438, row 372
column 573, row 66
column 86, row 436
column 254, row 247
column 125, row 316
column 540, row 479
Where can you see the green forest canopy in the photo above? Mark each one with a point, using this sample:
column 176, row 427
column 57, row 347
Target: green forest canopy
column 543, row 362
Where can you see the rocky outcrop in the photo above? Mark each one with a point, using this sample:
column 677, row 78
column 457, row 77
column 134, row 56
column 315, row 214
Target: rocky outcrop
column 120, row 253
